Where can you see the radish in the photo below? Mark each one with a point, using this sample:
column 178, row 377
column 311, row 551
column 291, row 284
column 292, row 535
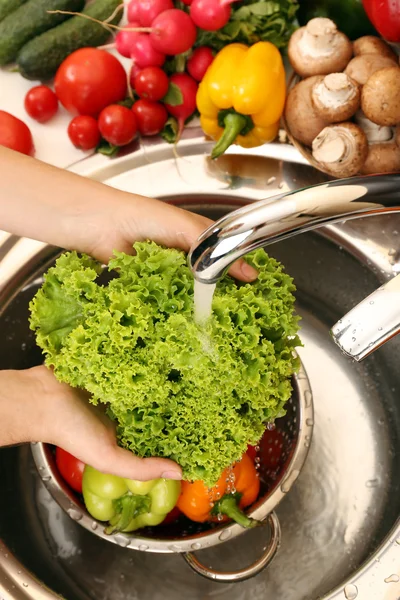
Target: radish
column 133, row 11
column 210, row 15
column 150, row 9
column 144, row 54
column 199, row 62
column 187, row 2
column 188, row 88
column 173, row 32
column 124, row 39
column 134, row 70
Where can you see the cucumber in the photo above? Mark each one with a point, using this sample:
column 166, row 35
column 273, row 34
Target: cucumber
column 41, row 57
column 28, row 21
column 8, row 6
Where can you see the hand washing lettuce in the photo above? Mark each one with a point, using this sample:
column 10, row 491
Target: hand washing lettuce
column 198, row 396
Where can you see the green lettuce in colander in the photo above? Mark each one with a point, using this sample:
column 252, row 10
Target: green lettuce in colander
column 198, row 396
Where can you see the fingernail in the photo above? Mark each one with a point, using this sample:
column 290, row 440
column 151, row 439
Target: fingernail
column 248, row 271
column 171, row 475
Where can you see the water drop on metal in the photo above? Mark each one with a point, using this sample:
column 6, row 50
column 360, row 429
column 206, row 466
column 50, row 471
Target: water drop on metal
column 351, row 591
column 122, row 540
column 196, row 546
column 25, row 585
column 398, row 542
column 46, row 477
column 310, row 422
column 94, row 526
column 372, row 483
column 74, row 514
column 143, row 547
column 225, row 535
column 174, row 548
column 392, row 579
column 288, row 482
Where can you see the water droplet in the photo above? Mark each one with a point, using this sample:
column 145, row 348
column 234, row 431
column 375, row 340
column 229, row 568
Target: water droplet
column 310, row 422
column 225, row 535
column 46, row 477
column 271, row 180
column 122, row 540
column 392, row 579
column 174, row 548
column 307, row 398
column 74, row 514
column 308, row 438
column 380, row 328
column 220, row 517
column 353, row 339
column 19, row 572
column 94, row 526
column 351, row 592
column 23, row 346
column 354, row 331
column 196, row 546
column 398, row 541
column 381, row 421
column 288, row 482
column 143, row 547
column 372, row 483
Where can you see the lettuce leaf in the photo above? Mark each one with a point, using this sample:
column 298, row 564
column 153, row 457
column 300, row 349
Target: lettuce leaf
column 198, row 396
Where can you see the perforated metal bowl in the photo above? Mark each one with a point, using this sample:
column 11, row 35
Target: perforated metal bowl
column 184, row 537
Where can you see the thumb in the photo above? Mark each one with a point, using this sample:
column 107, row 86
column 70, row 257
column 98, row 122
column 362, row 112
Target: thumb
column 121, row 462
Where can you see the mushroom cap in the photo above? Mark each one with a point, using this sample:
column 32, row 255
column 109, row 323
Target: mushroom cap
column 383, row 157
column 336, row 98
column 341, row 149
column 375, row 133
column 370, row 44
column 363, row 66
column 319, row 48
column 380, row 97
column 303, row 122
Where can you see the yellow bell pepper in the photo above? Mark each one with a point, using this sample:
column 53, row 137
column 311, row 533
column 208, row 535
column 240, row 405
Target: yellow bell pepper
column 242, row 96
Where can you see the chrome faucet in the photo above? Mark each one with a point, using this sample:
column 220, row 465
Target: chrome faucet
column 374, row 320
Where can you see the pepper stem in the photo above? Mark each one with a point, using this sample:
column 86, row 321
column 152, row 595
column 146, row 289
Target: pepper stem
column 228, row 505
column 126, row 508
column 233, row 126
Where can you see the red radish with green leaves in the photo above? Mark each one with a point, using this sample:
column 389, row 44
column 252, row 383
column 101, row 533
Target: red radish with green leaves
column 199, row 62
column 188, row 88
column 150, row 9
column 210, row 15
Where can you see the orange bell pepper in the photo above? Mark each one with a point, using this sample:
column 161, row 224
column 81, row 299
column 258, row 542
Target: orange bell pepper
column 200, row 504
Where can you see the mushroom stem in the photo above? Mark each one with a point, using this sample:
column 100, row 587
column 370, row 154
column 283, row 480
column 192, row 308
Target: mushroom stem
column 330, row 146
column 318, row 37
column 336, row 89
column 375, row 133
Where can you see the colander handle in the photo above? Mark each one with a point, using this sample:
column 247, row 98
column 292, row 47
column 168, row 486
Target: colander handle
column 247, row 572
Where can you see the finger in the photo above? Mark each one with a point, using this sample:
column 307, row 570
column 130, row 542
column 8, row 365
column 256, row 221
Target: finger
column 121, row 462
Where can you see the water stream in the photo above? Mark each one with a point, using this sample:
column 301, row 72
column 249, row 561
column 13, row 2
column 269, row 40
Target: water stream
column 203, row 296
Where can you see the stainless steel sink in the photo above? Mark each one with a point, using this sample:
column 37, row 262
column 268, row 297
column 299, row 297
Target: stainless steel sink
column 340, row 522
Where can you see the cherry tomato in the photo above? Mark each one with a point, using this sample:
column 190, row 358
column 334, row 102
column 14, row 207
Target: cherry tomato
column 151, row 116
column 117, row 125
column 88, row 80
column 15, row 134
column 151, row 83
column 41, row 103
column 83, row 131
column 70, row 468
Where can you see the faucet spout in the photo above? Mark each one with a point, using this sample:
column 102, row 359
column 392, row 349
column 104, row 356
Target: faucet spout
column 271, row 220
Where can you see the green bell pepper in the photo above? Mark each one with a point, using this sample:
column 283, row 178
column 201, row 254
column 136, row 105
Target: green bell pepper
column 349, row 15
column 128, row 504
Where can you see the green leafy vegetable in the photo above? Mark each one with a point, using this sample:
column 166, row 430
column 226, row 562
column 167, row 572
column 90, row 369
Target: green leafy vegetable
column 198, row 396
column 252, row 22
column 174, row 95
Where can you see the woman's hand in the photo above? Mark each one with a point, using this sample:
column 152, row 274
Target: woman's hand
column 34, row 406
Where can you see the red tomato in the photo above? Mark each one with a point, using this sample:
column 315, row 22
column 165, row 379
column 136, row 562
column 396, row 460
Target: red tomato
column 151, row 83
column 14, row 134
column 41, row 103
column 151, row 116
column 89, row 80
column 70, row 468
column 83, row 131
column 117, row 125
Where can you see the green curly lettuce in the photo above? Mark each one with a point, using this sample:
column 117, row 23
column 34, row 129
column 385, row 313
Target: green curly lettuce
column 196, row 395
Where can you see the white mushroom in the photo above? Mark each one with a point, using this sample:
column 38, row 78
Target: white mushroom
column 319, row 48
column 375, row 133
column 302, row 120
column 336, row 98
column 380, row 97
column 363, row 66
column 370, row 44
column 341, row 149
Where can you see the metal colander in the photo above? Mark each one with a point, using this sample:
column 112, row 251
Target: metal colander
column 184, row 537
